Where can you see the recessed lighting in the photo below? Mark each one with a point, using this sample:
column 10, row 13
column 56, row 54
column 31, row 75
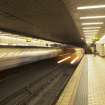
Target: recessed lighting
column 91, row 7
column 90, row 28
column 93, row 23
column 92, row 17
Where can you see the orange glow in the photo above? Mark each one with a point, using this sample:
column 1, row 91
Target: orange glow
column 74, row 60
column 60, row 61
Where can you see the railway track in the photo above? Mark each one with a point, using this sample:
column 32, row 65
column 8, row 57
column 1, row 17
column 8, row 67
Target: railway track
column 43, row 89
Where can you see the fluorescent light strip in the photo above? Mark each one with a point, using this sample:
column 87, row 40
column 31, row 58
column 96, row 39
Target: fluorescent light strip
column 94, row 23
column 92, row 17
column 74, row 60
column 60, row 61
column 86, row 31
column 91, row 28
column 91, row 7
column 89, row 33
column 82, row 38
column 88, row 36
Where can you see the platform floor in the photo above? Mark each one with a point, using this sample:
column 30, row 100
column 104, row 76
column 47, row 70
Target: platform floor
column 96, row 80
column 68, row 95
column 91, row 89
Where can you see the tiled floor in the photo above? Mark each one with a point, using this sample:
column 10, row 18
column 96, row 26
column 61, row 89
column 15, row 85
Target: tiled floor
column 81, row 97
column 93, row 78
column 68, row 95
column 96, row 80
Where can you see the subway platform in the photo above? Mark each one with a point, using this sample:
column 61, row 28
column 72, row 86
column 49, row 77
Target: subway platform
column 96, row 80
column 87, row 85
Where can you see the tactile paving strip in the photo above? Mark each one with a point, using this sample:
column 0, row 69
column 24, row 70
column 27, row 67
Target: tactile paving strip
column 68, row 95
column 82, row 92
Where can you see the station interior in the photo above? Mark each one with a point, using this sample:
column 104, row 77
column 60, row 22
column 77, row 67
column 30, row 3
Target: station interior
column 52, row 52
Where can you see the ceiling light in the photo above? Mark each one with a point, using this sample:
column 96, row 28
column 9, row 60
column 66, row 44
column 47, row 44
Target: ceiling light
column 95, row 23
column 90, row 32
column 88, row 36
column 92, row 17
column 91, row 7
column 91, row 28
column 82, row 38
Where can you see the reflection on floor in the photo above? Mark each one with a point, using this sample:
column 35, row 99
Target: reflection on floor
column 96, row 80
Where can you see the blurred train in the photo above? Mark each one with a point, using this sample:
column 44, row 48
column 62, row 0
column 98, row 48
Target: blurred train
column 26, row 49
column 71, row 56
column 11, row 39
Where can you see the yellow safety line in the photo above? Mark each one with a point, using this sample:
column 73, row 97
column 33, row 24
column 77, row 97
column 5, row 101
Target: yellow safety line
column 68, row 95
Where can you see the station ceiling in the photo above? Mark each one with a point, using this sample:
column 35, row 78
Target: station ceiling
column 47, row 19
column 55, row 20
column 97, row 10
